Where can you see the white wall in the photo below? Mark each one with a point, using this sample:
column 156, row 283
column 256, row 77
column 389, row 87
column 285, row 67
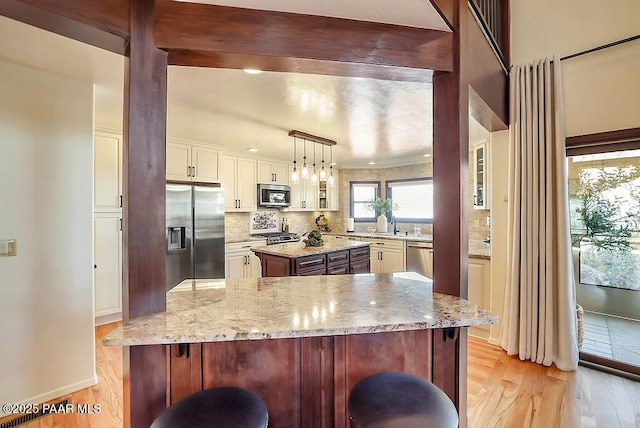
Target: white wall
column 602, row 89
column 499, row 190
column 46, row 200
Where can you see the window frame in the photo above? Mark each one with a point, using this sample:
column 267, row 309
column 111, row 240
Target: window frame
column 389, row 193
column 378, row 185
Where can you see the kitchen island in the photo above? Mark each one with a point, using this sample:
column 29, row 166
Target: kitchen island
column 332, row 258
column 302, row 343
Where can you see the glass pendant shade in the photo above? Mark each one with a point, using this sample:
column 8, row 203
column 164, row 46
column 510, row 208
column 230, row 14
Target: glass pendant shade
column 314, row 173
column 332, row 181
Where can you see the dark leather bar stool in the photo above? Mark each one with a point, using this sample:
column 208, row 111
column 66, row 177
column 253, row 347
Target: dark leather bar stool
column 225, row 407
column 400, row 400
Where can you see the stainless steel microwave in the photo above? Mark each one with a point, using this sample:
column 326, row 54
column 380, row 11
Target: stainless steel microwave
column 274, row 195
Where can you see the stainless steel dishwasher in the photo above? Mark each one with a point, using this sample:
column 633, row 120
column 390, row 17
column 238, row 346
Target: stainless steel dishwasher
column 420, row 258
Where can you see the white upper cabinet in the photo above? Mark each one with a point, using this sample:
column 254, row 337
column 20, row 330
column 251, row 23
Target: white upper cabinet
column 239, row 182
column 192, row 162
column 273, row 172
column 304, row 194
column 481, row 176
column 107, row 181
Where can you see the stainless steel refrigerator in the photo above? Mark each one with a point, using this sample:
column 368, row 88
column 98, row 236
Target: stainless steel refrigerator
column 195, row 232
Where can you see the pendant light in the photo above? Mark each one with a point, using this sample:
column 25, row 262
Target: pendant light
column 323, row 172
column 305, row 170
column 294, row 173
column 332, row 181
column 314, row 173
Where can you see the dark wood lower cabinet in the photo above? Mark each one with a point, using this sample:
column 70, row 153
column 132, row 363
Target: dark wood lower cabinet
column 338, row 270
column 339, row 262
column 304, row 382
column 275, row 265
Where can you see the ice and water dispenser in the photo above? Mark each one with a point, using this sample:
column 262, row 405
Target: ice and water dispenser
column 177, row 238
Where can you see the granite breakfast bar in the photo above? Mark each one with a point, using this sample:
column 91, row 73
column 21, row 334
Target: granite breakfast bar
column 301, row 343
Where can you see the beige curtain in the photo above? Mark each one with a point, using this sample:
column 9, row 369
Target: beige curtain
column 539, row 321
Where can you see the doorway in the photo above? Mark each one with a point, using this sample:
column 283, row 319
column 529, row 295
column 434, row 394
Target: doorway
column 604, row 195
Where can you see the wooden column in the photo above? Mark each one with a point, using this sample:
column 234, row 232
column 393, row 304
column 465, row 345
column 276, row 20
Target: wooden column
column 451, row 207
column 145, row 111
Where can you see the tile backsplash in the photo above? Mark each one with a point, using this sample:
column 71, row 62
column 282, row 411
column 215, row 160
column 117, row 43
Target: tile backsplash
column 237, row 224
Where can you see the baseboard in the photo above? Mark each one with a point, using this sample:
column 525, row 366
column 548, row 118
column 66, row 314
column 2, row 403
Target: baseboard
column 479, row 333
column 493, row 341
column 108, row 319
column 56, row 393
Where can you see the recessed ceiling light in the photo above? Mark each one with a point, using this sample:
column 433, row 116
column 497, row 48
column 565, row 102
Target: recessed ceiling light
column 372, row 163
column 252, row 70
column 426, row 155
column 252, row 149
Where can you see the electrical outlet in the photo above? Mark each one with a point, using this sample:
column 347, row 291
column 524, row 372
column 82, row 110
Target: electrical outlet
column 8, row 247
column 476, row 223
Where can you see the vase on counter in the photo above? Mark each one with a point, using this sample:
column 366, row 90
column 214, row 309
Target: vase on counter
column 381, row 225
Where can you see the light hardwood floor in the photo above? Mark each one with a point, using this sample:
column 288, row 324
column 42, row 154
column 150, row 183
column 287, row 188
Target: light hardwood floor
column 503, row 392
column 506, row 392
column 107, row 393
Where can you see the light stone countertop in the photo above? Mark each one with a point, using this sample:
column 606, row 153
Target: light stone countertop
column 421, row 238
column 247, row 239
column 287, row 307
column 298, row 249
column 477, row 248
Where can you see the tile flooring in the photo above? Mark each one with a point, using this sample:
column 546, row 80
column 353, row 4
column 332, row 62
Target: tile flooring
column 611, row 337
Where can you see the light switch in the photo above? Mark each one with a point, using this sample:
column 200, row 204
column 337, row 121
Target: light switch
column 8, row 247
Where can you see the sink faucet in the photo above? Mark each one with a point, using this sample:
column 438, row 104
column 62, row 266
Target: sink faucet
column 395, row 226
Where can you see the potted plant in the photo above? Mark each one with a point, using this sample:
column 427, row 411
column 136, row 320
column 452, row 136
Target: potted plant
column 382, row 206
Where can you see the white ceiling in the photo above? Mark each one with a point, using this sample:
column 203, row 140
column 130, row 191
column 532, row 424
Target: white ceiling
column 385, row 121
column 411, row 13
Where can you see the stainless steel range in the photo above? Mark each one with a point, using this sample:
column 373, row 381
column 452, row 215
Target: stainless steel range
column 280, row 237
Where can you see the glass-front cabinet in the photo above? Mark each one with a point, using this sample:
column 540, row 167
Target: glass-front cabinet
column 480, row 187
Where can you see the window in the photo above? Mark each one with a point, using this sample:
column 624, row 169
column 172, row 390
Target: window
column 412, row 200
column 362, row 193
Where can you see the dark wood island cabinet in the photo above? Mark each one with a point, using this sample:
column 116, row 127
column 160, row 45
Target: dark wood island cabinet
column 333, row 258
column 302, row 343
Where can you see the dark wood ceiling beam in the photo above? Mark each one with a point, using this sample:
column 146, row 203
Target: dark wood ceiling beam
column 194, row 58
column 101, row 23
column 183, row 27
